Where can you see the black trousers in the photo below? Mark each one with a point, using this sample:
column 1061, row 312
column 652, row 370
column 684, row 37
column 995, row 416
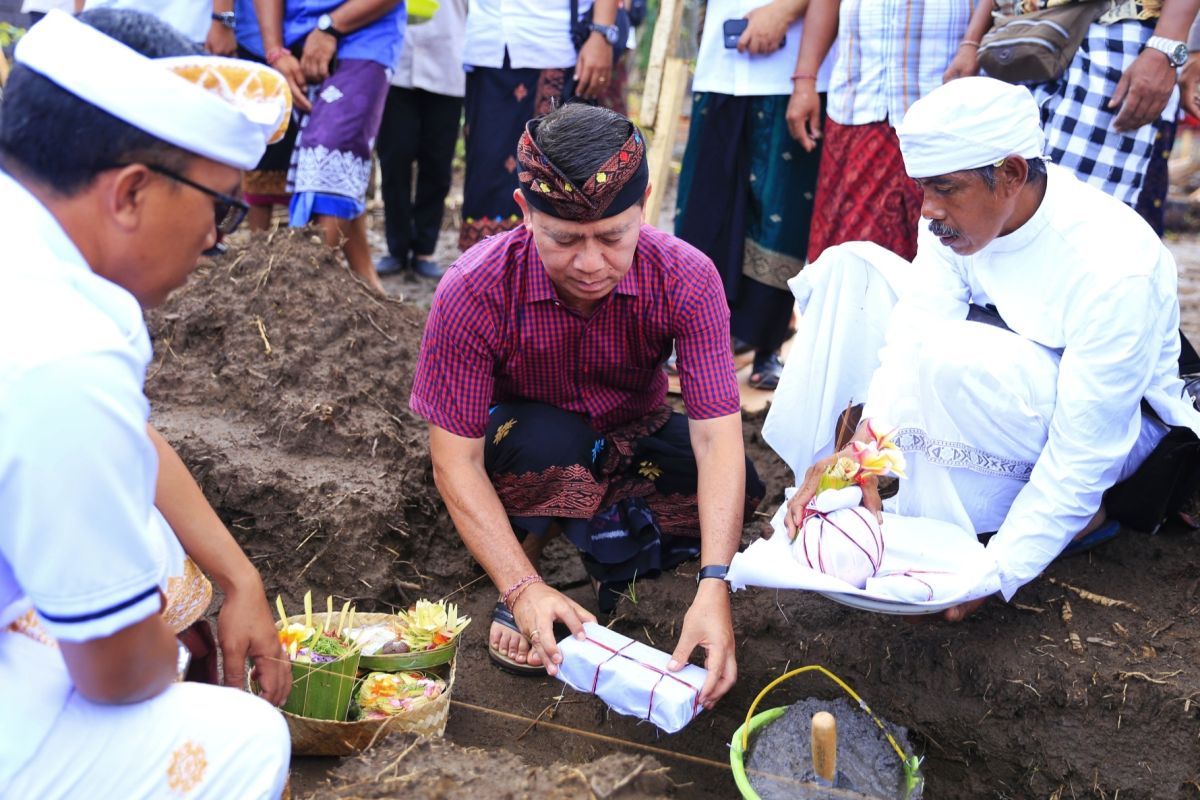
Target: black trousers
column 421, row 128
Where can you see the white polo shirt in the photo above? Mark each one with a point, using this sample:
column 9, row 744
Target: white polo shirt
column 726, row 71
column 537, row 33
column 77, row 470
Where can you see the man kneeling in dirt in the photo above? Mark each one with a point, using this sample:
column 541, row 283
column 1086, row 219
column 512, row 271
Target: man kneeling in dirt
column 1031, row 360
column 541, row 374
column 116, row 176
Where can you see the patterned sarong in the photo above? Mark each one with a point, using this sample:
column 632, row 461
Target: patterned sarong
column 863, row 192
column 266, row 184
column 745, row 201
column 626, row 499
column 331, row 163
column 498, row 103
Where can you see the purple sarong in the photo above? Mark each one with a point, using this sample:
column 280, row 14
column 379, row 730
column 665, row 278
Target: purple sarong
column 331, row 164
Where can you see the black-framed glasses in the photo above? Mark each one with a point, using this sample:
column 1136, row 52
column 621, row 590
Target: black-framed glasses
column 228, row 211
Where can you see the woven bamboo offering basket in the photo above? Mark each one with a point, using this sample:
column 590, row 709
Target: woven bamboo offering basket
column 327, row 737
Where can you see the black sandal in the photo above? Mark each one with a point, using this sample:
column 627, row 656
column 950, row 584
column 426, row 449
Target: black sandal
column 766, row 372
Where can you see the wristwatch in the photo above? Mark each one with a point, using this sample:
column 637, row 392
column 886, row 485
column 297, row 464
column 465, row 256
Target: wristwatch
column 226, row 18
column 610, row 32
column 325, row 25
column 1175, row 51
column 718, row 571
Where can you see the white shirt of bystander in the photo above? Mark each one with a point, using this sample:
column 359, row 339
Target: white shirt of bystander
column 431, row 56
column 724, row 70
column 535, row 33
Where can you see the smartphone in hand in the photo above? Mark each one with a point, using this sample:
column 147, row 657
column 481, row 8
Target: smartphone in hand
column 734, row 28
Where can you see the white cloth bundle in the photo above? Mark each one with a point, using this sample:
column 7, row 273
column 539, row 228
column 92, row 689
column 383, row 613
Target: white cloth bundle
column 631, row 677
column 927, row 563
column 841, row 538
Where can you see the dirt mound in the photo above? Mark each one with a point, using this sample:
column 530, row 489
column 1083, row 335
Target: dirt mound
column 439, row 770
column 284, row 384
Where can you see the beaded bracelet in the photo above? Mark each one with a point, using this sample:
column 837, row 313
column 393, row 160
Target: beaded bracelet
column 510, row 595
column 276, row 54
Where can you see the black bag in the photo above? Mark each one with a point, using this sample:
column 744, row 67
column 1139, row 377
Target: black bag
column 1160, row 486
column 581, row 27
column 1037, row 47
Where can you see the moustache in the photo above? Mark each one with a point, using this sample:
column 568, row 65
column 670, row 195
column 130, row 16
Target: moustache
column 941, row 229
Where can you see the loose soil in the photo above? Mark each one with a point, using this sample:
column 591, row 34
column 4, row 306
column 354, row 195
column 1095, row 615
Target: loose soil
column 284, row 385
column 779, row 762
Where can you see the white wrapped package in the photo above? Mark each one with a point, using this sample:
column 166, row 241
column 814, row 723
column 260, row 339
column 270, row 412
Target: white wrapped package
column 841, row 538
column 631, row 677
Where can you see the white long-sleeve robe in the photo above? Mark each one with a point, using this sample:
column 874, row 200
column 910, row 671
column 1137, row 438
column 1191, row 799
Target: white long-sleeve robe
column 1021, row 433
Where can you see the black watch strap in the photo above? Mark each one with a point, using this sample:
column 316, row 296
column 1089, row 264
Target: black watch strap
column 718, row 571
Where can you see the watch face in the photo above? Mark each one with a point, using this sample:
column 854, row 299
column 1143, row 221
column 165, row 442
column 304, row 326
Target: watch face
column 324, row 22
column 1179, row 55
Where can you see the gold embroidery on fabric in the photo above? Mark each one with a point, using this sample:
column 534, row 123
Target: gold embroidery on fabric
column 188, row 597
column 187, row 768
column 30, row 624
column 503, row 430
column 769, row 267
column 649, row 470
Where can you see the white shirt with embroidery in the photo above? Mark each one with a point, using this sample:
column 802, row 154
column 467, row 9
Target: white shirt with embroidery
column 1086, row 277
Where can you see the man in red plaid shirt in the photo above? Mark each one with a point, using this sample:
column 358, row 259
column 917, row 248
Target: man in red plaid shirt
column 541, row 375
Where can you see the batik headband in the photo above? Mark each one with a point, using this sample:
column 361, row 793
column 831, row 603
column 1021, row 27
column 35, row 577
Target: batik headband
column 615, row 186
column 220, row 108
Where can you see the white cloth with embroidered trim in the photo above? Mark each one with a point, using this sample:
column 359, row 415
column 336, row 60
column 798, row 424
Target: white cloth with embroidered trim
column 145, row 93
column 1018, row 431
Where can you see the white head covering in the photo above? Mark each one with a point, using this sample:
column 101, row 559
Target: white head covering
column 147, row 94
column 969, row 123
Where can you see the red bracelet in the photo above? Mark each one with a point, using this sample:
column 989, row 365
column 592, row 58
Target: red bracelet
column 276, row 54
column 803, row 76
column 510, row 595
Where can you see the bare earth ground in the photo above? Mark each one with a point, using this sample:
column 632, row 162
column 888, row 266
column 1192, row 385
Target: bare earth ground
column 284, row 385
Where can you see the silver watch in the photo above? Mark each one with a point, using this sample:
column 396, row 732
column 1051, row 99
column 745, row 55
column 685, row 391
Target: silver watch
column 1175, row 51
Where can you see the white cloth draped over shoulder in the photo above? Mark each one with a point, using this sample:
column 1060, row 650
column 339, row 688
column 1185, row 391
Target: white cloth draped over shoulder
column 1020, row 431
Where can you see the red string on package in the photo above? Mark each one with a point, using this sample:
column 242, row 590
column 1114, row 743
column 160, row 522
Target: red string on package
column 661, row 674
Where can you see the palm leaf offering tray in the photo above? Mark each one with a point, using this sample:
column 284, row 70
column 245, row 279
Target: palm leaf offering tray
column 423, row 636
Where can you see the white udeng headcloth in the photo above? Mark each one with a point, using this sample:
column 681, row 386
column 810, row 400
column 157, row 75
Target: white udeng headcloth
column 969, row 123
column 145, row 93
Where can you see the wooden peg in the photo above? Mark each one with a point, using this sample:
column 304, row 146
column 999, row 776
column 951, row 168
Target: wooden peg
column 824, row 746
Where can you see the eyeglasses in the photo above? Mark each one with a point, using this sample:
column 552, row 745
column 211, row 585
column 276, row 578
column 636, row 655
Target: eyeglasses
column 229, row 211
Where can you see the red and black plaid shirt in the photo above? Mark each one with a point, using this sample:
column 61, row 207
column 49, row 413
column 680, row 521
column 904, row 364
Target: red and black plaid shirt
column 497, row 332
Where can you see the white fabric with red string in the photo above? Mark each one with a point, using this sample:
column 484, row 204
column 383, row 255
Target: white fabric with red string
column 914, row 560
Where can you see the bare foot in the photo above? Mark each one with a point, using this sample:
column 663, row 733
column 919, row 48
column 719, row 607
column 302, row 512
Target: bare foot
column 503, row 638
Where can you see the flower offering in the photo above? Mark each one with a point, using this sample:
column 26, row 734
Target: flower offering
column 387, row 694
column 839, row 537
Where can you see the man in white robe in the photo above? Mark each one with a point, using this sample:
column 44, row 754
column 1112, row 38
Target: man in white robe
column 115, row 174
column 1029, row 355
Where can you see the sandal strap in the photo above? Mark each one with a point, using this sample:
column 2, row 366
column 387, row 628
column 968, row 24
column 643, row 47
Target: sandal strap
column 501, row 615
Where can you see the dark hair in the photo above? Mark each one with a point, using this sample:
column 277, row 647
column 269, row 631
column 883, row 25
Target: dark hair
column 1036, row 174
column 62, row 141
column 579, row 138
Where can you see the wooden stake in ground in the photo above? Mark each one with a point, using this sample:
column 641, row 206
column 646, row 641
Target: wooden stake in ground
column 824, row 746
